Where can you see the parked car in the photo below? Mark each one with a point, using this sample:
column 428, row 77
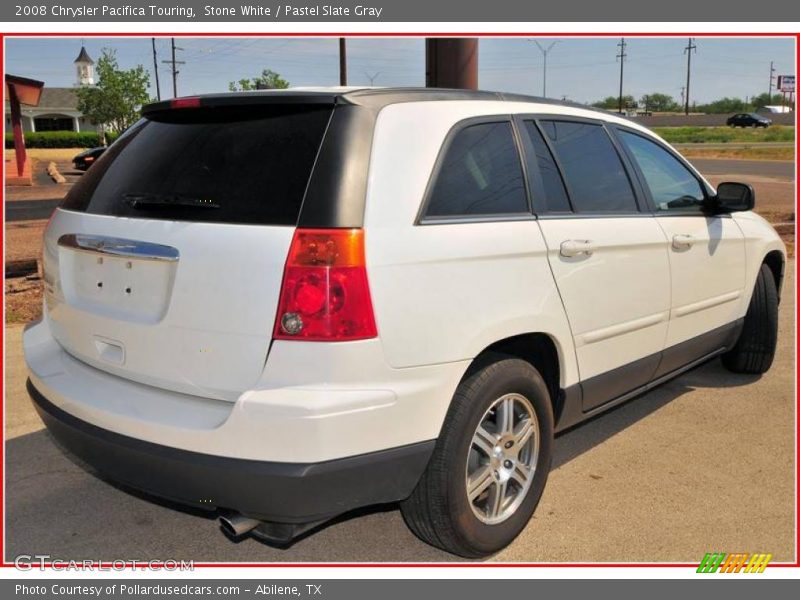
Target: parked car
column 87, row 158
column 284, row 305
column 749, row 120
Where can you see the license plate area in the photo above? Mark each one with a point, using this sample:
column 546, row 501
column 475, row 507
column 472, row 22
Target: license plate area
column 112, row 280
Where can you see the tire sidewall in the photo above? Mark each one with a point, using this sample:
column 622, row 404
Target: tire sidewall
column 508, row 376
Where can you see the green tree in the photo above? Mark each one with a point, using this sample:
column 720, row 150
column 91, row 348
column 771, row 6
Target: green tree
column 764, row 100
column 724, row 105
column 658, row 102
column 116, row 101
column 612, row 102
column 268, row 80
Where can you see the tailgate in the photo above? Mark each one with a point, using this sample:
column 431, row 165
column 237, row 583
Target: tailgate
column 164, row 263
column 187, row 307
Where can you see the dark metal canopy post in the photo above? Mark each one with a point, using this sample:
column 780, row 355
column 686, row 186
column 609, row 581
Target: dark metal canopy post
column 342, row 61
column 21, row 90
column 451, row 63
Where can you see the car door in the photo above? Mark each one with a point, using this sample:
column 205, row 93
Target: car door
column 706, row 252
column 608, row 257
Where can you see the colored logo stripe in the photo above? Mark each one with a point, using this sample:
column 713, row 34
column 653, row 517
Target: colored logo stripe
column 733, row 563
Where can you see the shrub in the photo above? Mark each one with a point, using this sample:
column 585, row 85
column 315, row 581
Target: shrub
column 723, row 134
column 60, row 139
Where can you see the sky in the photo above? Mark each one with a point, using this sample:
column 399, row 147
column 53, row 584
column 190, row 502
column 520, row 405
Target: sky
column 580, row 69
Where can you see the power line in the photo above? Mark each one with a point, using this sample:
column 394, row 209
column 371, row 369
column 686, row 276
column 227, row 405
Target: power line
column 691, row 47
column 621, row 57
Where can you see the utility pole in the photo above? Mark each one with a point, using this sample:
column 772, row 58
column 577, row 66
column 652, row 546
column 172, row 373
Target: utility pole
column 545, row 52
column 155, row 69
column 691, row 47
column 174, row 64
column 771, row 79
column 621, row 57
column 683, row 94
column 342, row 61
column 372, row 78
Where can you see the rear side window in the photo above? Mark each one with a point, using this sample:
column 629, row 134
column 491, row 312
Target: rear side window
column 595, row 176
column 555, row 199
column 480, row 174
column 247, row 165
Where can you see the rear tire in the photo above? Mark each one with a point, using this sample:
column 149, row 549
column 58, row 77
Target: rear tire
column 755, row 349
column 505, row 395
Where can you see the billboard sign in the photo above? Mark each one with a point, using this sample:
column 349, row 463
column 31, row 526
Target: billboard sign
column 786, row 83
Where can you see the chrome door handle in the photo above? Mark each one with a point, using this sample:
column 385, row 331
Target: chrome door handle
column 571, row 248
column 682, row 241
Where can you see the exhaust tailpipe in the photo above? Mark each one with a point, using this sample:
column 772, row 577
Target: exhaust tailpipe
column 237, row 525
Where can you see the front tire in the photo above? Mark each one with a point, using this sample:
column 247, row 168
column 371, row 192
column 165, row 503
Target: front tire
column 490, row 464
column 755, row 350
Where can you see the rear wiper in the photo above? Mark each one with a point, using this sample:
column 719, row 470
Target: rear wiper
column 147, row 200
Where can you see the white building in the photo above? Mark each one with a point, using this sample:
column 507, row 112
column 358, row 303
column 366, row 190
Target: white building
column 776, row 109
column 58, row 107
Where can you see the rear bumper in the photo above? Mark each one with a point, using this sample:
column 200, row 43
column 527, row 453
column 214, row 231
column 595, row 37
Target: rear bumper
column 314, row 403
column 271, row 491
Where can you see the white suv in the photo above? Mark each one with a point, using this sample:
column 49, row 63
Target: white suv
column 287, row 305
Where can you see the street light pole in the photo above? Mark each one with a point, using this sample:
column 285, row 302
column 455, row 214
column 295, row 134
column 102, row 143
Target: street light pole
column 545, row 52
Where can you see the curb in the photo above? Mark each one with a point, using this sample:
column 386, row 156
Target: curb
column 52, row 170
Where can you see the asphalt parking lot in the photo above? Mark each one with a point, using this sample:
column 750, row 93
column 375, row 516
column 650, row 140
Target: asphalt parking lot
column 702, row 463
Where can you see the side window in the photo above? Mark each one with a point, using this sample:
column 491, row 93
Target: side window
column 480, row 174
column 672, row 186
column 555, row 199
column 595, row 176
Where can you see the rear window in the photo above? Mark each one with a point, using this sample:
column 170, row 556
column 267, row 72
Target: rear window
column 247, row 165
column 480, row 175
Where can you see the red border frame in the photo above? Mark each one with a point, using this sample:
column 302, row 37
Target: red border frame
column 107, row 565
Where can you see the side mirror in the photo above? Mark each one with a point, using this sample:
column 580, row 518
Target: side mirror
column 733, row 197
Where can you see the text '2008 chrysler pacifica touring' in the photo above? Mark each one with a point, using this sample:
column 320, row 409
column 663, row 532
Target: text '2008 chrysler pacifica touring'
column 284, row 305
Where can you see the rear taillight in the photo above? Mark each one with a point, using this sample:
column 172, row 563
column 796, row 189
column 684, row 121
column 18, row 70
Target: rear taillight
column 325, row 295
